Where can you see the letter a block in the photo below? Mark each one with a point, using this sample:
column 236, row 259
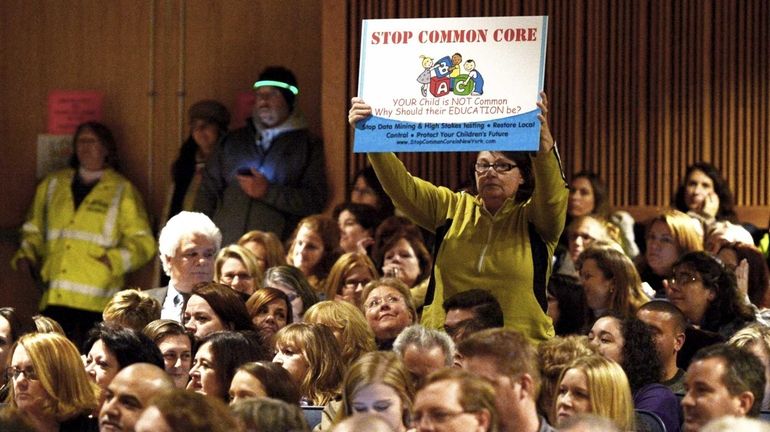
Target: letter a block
column 440, row 86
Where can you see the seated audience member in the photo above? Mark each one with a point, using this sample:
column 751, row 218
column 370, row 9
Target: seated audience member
column 704, row 193
column 756, row 339
column 270, row 311
column 295, row 285
column 184, row 411
column 668, row 326
column 314, row 247
column 378, row 383
column 722, row 380
column 629, row 342
column 360, row 422
column 752, row 273
column 367, row 189
column 255, row 380
column 588, row 196
column 109, row 349
column 44, row 324
column 470, row 311
column 269, row 415
column 588, row 423
column 236, row 267
column 456, row 399
column 669, row 235
column 131, row 308
column 610, row 281
column 582, row 232
column 706, row 292
column 404, row 257
column 13, row 420
column 567, row 305
column 48, row 384
column 553, row 356
column 507, row 360
column 209, row 121
column 389, row 309
column 305, row 350
column 128, row 394
column 266, row 247
column 187, row 246
column 595, row 385
column 732, row 423
column 424, row 351
column 214, row 307
column 217, row 358
column 357, row 223
column 175, row 344
column 12, row 327
column 348, row 325
column 348, row 277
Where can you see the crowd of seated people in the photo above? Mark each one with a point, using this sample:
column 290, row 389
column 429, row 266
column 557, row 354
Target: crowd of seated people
column 353, row 324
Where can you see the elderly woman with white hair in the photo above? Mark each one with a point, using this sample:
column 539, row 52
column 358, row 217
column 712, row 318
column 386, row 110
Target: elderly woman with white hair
column 188, row 245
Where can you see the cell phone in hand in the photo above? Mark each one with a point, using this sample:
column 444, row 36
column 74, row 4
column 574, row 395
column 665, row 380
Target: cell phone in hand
column 246, row 171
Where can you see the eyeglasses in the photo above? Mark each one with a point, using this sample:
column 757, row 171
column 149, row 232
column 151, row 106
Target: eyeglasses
column 241, row 276
column 14, row 372
column 500, row 167
column 377, row 301
column 435, row 417
column 354, row 283
column 682, row 279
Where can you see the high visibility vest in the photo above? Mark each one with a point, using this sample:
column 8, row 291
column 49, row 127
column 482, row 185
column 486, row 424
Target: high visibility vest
column 71, row 244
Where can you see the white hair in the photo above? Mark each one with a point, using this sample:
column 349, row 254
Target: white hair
column 732, row 423
column 424, row 339
column 184, row 224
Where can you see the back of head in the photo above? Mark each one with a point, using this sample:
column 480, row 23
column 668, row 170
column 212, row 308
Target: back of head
column 275, row 254
column 45, row 324
column 732, row 423
column 185, row 411
column 269, row 415
column 512, row 352
column 12, row 420
column 292, row 277
column 131, row 308
column 573, row 309
column 742, row 372
column 275, row 379
column 484, row 305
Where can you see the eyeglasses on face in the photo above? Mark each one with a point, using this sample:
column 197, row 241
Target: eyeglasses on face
column 227, row 277
column 435, row 417
column 377, row 301
column 13, row 372
column 681, row 279
column 500, row 167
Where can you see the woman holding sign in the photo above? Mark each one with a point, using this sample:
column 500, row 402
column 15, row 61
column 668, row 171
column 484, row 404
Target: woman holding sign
column 501, row 239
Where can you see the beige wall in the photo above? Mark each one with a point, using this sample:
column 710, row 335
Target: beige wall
column 152, row 60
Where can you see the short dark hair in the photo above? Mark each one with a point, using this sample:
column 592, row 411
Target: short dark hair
column 20, row 324
column 484, row 305
column 743, row 372
column 665, row 306
column 574, row 313
column 129, row 346
column 105, row 138
column 365, row 214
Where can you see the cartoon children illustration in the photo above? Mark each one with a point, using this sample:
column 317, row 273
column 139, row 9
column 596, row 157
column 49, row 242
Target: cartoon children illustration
column 473, row 74
column 424, row 77
column 454, row 70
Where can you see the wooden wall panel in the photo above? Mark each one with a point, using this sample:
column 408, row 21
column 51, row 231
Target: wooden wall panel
column 638, row 90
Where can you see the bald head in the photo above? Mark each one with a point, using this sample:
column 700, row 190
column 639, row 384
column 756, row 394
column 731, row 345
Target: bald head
column 128, row 395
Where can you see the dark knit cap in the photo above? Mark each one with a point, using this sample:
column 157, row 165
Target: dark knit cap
column 210, row 111
column 280, row 73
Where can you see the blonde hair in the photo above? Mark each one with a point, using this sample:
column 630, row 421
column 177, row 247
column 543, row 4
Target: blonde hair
column 339, row 271
column 553, row 356
column 319, row 348
column 608, row 390
column 379, row 367
column 61, row 373
column 357, row 337
column 132, row 308
column 44, row 324
column 275, row 254
column 397, row 285
column 683, row 229
column 750, row 335
column 245, row 256
column 626, row 295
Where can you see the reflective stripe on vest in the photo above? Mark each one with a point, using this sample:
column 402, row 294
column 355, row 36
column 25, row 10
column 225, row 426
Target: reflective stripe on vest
column 87, row 290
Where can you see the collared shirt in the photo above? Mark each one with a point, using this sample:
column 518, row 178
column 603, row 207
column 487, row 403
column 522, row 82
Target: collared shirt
column 173, row 304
